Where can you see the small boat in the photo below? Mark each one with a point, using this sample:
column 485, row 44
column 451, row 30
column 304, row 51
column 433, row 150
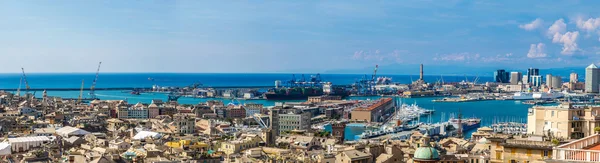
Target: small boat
column 135, row 92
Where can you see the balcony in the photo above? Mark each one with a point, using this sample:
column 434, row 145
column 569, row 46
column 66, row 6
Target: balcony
column 583, row 150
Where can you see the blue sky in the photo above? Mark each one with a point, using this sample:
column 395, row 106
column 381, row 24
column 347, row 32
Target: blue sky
column 295, row 36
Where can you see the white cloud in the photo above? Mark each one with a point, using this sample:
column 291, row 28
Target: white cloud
column 569, row 41
column 536, row 51
column 498, row 58
column 377, row 55
column 533, row 25
column 457, row 57
column 559, row 26
column 367, row 55
column 589, row 25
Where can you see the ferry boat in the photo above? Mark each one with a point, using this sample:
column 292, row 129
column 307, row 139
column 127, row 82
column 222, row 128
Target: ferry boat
column 537, row 95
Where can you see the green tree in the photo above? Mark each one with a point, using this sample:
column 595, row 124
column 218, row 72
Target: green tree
column 555, row 141
column 597, row 130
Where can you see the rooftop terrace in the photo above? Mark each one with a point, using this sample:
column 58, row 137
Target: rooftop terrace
column 583, row 150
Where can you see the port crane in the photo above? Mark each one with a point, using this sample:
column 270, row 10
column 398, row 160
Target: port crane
column 80, row 92
column 292, row 82
column 366, row 86
column 25, row 80
column 92, row 91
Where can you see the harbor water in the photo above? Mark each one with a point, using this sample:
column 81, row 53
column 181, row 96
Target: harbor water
column 488, row 111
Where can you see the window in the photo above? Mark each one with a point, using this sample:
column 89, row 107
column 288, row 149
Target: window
column 545, row 153
column 513, row 161
column 552, row 113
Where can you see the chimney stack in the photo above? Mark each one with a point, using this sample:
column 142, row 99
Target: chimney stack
column 421, row 74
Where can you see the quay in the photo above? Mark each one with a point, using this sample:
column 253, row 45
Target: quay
column 135, row 88
column 76, row 89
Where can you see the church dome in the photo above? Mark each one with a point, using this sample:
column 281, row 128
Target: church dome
column 426, row 153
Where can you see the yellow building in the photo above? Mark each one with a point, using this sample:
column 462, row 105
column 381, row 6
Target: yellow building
column 564, row 121
column 246, row 141
column 178, row 144
column 519, row 151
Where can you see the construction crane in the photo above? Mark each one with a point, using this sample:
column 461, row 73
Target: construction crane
column 26, row 83
column 92, row 92
column 80, row 92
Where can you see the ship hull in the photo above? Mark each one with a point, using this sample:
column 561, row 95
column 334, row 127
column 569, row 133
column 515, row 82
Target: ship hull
column 296, row 96
column 469, row 127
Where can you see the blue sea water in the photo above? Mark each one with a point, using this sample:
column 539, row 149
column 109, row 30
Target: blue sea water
column 488, row 111
column 111, row 80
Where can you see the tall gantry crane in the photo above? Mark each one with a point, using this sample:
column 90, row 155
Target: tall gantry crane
column 92, row 91
column 26, row 83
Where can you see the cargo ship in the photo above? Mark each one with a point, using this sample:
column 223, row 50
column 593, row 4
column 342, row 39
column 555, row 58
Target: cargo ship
column 302, row 89
column 302, row 93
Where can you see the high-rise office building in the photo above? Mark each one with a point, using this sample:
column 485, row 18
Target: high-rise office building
column 532, row 72
column 515, row 77
column 556, row 82
column 536, row 80
column 525, row 79
column 549, row 80
column 501, row 76
column 592, row 77
column 574, row 78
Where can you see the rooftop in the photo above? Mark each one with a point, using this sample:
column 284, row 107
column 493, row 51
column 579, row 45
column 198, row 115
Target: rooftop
column 371, row 106
column 28, row 139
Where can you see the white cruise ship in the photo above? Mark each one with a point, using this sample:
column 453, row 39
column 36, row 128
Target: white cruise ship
column 537, row 95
